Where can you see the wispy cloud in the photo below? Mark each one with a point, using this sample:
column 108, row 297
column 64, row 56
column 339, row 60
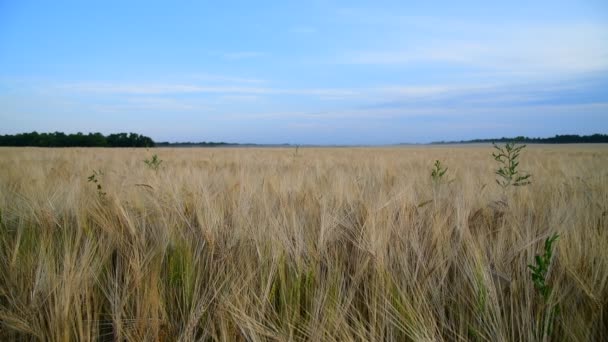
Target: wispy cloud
column 223, row 79
column 467, row 116
column 162, row 88
column 416, row 91
column 157, row 104
column 507, row 93
column 240, row 98
column 567, row 48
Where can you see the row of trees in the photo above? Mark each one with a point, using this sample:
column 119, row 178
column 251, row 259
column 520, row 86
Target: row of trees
column 60, row 139
column 558, row 139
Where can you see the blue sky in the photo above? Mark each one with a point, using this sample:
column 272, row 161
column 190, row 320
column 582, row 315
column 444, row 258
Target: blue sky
column 307, row 72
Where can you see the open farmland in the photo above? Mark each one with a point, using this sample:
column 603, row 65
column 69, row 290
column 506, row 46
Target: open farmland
column 321, row 244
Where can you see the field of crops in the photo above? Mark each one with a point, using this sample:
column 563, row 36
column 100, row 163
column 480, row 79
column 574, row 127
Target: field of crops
column 320, row 244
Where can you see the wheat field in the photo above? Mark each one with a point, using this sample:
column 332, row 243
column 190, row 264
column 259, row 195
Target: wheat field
column 318, row 244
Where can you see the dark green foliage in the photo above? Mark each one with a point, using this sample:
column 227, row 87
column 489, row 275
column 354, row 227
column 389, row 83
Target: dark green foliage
column 94, row 178
column 508, row 172
column 129, row 140
column 59, row 139
column 558, row 139
column 153, row 163
column 438, row 171
column 539, row 271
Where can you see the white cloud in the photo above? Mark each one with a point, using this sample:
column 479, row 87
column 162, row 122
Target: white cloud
column 411, row 91
column 487, row 112
column 240, row 98
column 212, row 78
column 567, row 48
column 153, row 104
column 168, row 88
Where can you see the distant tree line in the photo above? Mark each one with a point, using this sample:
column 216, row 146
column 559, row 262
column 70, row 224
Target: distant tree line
column 59, row 139
column 558, row 139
